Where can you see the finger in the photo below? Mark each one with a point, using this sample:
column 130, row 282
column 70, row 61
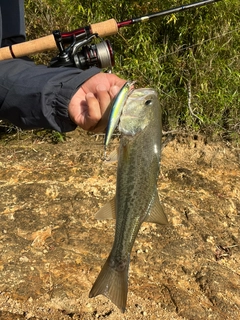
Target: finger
column 115, row 80
column 114, row 91
column 103, row 97
column 105, row 100
column 93, row 112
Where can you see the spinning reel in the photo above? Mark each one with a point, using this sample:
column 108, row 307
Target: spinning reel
column 82, row 54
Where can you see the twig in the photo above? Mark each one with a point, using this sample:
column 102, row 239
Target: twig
column 189, row 90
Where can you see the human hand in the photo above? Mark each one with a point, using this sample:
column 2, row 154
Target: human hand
column 88, row 107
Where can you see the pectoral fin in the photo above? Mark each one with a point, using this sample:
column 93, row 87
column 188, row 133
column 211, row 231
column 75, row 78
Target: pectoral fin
column 108, row 211
column 156, row 214
column 113, row 156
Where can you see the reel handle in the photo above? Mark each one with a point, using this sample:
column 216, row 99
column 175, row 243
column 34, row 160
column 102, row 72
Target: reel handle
column 103, row 29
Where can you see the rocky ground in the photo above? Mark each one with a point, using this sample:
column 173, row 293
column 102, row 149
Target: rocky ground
column 52, row 247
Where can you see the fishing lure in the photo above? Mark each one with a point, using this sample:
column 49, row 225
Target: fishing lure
column 116, row 111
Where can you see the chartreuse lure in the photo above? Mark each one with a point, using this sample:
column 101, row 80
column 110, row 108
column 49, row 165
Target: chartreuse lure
column 116, row 111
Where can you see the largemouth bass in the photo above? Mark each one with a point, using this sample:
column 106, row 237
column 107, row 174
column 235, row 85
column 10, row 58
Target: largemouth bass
column 136, row 197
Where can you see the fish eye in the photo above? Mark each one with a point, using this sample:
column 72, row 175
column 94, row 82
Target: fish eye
column 148, row 102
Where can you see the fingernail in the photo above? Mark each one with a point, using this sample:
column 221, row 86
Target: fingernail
column 90, row 95
column 101, row 87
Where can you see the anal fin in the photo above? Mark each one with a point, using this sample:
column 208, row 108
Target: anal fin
column 156, row 214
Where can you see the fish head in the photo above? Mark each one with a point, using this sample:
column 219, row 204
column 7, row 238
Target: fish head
column 140, row 109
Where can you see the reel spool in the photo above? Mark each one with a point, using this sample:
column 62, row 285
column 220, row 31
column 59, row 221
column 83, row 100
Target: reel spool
column 83, row 55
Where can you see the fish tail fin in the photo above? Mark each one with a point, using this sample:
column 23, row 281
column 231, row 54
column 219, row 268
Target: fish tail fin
column 113, row 284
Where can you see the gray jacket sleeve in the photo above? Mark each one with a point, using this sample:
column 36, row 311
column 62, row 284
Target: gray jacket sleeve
column 34, row 96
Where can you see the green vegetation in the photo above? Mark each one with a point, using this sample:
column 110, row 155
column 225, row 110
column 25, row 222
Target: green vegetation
column 192, row 58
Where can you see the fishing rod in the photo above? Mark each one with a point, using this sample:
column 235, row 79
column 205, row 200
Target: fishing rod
column 75, row 48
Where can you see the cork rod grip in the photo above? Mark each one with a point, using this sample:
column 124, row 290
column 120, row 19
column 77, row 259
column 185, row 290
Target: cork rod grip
column 28, row 48
column 105, row 28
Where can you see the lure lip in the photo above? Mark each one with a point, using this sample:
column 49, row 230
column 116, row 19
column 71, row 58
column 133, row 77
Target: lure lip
column 116, row 110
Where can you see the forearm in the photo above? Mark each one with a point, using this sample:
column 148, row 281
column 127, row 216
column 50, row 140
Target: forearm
column 38, row 97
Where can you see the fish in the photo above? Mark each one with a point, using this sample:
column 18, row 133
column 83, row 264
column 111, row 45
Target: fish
column 117, row 106
column 136, row 198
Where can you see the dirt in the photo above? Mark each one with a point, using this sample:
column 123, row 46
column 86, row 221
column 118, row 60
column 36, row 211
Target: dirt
column 52, row 247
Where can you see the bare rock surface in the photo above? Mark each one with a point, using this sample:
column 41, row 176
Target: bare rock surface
column 52, row 247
